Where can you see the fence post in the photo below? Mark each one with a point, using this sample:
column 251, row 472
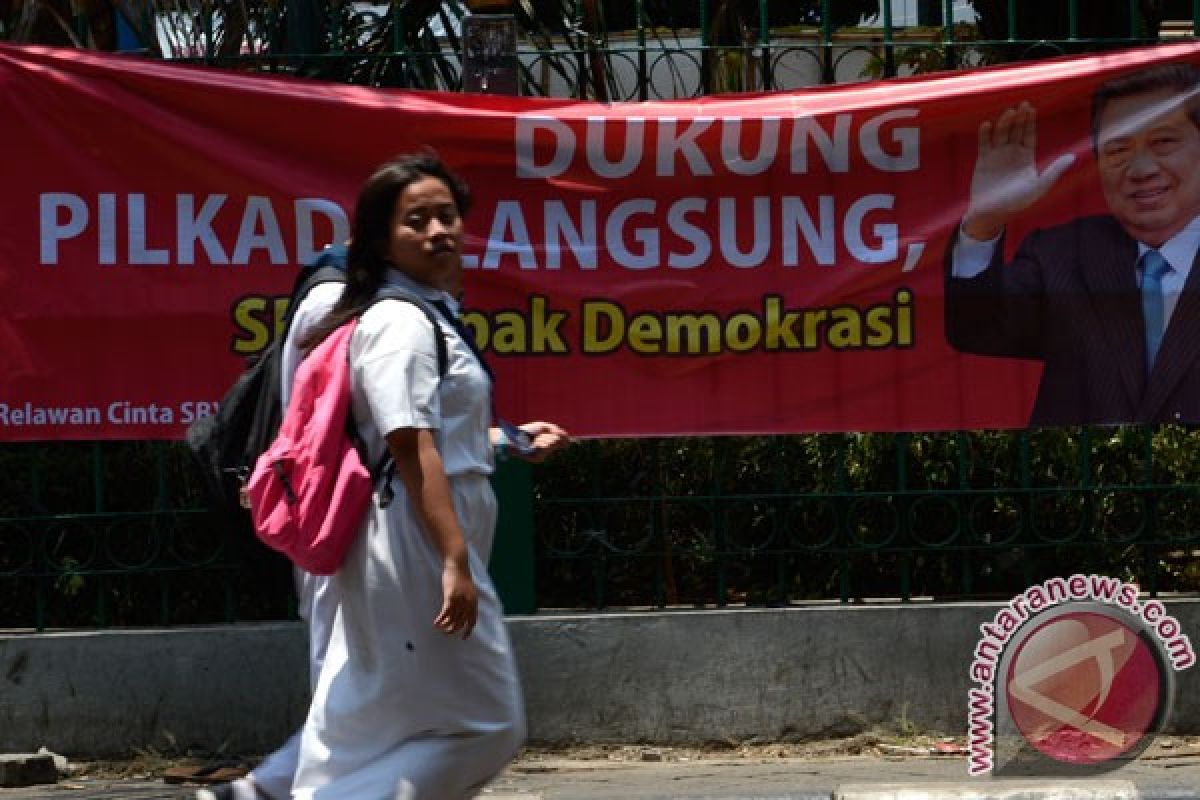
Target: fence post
column 512, row 564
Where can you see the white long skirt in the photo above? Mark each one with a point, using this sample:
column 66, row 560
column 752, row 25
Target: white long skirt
column 317, row 605
column 401, row 711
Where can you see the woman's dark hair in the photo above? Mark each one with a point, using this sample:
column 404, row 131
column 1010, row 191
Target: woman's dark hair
column 366, row 262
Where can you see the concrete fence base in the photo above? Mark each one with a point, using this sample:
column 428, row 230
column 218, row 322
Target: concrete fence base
column 669, row 677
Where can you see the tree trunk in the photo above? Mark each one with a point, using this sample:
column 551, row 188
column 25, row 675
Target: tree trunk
column 596, row 64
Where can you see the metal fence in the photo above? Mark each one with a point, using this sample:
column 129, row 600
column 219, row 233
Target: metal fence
column 783, row 519
column 95, row 534
column 663, row 50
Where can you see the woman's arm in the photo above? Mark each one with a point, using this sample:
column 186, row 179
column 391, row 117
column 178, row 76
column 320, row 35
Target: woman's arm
column 420, row 467
column 546, row 438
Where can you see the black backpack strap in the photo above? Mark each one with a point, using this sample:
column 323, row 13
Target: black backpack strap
column 383, row 471
column 466, row 335
column 336, row 256
column 307, row 281
column 396, row 293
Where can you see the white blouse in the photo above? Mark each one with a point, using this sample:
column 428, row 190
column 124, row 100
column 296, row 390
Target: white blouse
column 394, row 377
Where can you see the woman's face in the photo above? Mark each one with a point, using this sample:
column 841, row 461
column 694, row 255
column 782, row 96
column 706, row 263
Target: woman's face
column 426, row 235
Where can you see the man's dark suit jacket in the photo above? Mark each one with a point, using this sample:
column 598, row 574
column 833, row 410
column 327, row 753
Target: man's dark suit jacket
column 1070, row 299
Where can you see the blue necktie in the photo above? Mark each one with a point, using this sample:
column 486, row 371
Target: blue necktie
column 1154, row 266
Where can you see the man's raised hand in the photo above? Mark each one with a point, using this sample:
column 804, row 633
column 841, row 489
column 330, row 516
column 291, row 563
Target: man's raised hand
column 1006, row 180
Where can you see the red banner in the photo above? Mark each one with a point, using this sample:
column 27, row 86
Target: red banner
column 733, row 264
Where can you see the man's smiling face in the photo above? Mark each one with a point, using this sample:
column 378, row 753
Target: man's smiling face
column 1148, row 154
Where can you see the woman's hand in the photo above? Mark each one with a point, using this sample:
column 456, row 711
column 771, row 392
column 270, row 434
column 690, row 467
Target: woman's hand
column 420, row 467
column 460, row 601
column 547, row 438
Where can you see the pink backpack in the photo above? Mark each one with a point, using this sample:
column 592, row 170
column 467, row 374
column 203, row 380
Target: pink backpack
column 309, row 491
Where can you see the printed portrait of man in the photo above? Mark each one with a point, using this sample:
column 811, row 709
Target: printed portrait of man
column 1110, row 304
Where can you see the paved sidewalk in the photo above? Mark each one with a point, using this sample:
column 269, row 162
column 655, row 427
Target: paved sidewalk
column 861, row 777
column 1174, row 778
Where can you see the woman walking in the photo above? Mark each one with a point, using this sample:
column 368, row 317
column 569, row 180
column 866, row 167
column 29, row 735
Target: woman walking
column 418, row 696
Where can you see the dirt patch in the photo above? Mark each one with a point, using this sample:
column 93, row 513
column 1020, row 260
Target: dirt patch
column 756, row 749
column 151, row 765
